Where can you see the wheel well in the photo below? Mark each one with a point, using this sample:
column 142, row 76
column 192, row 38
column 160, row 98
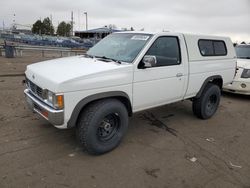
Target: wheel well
column 217, row 80
column 86, row 102
column 123, row 100
column 127, row 104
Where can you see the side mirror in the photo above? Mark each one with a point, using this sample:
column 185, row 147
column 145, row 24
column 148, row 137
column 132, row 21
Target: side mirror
column 149, row 61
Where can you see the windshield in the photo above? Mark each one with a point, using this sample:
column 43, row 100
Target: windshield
column 120, row 46
column 243, row 51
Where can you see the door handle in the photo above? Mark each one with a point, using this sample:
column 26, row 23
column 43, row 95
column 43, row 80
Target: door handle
column 179, row 75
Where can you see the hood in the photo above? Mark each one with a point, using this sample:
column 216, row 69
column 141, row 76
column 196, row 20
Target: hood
column 243, row 63
column 61, row 75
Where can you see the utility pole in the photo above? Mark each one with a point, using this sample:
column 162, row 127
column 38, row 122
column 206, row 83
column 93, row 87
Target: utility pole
column 86, row 20
column 51, row 22
column 79, row 22
column 72, row 23
column 3, row 25
column 51, row 19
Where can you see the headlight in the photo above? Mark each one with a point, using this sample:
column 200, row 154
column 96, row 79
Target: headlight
column 50, row 97
column 54, row 100
column 245, row 73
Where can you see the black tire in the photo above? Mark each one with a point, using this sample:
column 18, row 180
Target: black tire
column 207, row 104
column 102, row 125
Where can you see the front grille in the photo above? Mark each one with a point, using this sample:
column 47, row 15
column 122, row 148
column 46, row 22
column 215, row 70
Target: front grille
column 36, row 90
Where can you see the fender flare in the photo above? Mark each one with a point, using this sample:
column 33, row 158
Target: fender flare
column 112, row 94
column 209, row 79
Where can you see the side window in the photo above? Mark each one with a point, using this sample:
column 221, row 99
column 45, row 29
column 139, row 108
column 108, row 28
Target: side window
column 166, row 50
column 206, row 47
column 220, row 48
column 212, row 47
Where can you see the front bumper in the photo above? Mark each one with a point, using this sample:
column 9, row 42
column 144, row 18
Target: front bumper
column 55, row 117
column 239, row 87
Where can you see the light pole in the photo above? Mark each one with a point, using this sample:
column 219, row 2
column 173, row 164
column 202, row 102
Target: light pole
column 86, row 20
column 3, row 25
column 14, row 22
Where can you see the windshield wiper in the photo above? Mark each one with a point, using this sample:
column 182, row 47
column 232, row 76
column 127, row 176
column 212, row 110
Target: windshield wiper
column 110, row 59
column 89, row 56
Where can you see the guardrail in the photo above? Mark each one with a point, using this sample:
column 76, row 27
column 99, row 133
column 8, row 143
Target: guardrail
column 20, row 49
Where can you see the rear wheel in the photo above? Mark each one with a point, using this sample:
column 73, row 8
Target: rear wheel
column 102, row 125
column 207, row 104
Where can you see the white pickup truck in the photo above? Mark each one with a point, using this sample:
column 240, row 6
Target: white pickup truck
column 128, row 72
column 241, row 82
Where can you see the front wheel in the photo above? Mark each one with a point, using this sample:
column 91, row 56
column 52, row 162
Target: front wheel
column 207, row 104
column 102, row 125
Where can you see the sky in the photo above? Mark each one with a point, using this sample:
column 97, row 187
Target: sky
column 217, row 17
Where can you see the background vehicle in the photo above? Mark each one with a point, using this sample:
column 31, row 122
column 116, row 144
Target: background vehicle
column 241, row 82
column 125, row 73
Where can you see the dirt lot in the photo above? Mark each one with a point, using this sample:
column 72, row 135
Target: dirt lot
column 164, row 147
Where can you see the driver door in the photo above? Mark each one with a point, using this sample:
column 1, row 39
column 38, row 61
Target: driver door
column 163, row 83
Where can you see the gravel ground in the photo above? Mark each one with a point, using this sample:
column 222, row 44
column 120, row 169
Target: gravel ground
column 164, row 147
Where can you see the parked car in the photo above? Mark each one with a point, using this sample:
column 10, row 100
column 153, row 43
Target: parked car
column 241, row 82
column 128, row 72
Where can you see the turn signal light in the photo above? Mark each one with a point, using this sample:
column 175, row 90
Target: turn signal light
column 59, row 101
